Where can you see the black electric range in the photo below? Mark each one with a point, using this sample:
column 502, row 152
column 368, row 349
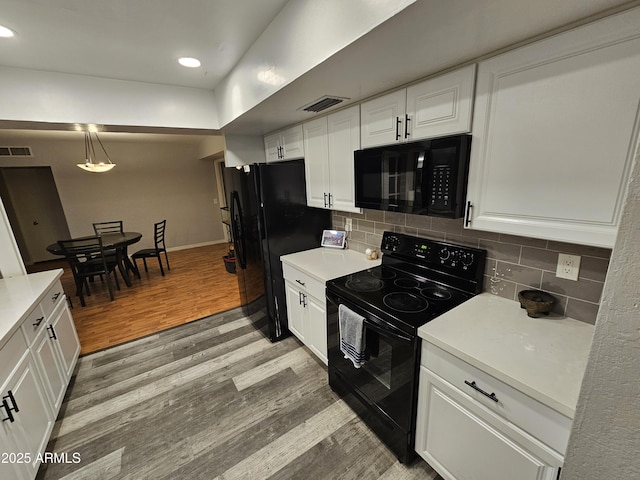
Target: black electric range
column 418, row 280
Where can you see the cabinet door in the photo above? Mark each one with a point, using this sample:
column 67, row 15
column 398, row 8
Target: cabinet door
column 50, row 368
column 32, row 422
column 344, row 139
column 441, row 106
column 272, row 147
column 316, row 327
column 555, row 130
column 383, row 119
column 10, row 469
column 295, row 311
column 316, row 162
column 67, row 341
column 292, row 143
column 457, row 439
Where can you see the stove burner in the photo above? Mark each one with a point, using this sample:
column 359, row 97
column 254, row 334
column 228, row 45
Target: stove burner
column 436, row 293
column 363, row 283
column 405, row 302
column 407, row 283
column 383, row 273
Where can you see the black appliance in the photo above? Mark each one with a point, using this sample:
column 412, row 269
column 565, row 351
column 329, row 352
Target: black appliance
column 418, row 280
column 427, row 177
column 269, row 217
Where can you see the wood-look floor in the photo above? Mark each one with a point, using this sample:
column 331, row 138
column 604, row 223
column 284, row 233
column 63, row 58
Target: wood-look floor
column 197, row 285
column 213, row 399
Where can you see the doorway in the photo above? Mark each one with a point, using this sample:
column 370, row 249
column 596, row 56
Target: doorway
column 34, row 209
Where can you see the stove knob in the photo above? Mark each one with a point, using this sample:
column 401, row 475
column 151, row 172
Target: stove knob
column 444, row 254
column 467, row 258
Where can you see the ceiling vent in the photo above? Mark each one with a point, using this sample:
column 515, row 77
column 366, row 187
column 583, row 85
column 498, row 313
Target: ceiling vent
column 15, row 152
column 323, row 103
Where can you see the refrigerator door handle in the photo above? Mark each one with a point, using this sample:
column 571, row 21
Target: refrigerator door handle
column 238, row 229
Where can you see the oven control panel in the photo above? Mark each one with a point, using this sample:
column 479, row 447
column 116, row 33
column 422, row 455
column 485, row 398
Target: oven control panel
column 432, row 253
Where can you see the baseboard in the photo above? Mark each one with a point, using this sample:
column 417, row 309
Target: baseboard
column 194, row 245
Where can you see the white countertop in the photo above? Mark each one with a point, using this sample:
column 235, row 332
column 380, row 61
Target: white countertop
column 544, row 357
column 326, row 263
column 18, row 295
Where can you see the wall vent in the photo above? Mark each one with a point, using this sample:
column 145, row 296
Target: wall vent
column 15, row 152
column 323, row 103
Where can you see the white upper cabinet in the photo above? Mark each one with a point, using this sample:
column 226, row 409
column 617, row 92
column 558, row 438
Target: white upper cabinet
column 284, row 145
column 329, row 143
column 436, row 107
column 555, row 131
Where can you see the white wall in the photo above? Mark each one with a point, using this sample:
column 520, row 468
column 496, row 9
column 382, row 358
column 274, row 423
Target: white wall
column 605, row 438
column 30, row 95
column 303, row 35
column 152, row 181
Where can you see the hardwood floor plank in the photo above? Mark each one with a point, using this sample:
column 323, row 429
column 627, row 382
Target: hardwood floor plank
column 105, row 468
column 271, row 458
column 296, row 358
column 197, row 286
column 129, row 398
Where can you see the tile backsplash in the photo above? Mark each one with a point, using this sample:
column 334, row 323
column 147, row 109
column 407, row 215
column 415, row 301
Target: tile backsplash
column 513, row 263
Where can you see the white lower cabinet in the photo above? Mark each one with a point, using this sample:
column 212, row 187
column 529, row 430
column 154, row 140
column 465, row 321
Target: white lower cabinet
column 463, row 434
column 306, row 310
column 36, row 364
column 56, row 349
column 26, row 419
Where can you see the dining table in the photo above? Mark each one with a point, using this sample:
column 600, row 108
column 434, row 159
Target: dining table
column 118, row 241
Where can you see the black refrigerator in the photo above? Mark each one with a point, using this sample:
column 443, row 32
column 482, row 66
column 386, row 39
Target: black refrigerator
column 269, row 218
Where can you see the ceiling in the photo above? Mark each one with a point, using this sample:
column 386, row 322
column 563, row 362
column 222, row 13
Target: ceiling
column 141, row 40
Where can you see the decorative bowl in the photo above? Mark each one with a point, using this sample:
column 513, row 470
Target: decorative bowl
column 536, row 302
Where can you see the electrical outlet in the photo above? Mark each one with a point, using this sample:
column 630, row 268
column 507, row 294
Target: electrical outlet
column 568, row 266
column 348, row 224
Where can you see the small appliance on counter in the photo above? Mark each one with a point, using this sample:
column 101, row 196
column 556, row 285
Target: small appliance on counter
column 418, row 280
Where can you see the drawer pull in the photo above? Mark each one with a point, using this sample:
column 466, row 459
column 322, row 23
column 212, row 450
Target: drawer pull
column 53, row 335
column 301, row 283
column 8, row 408
column 37, row 323
column 55, row 297
column 473, row 385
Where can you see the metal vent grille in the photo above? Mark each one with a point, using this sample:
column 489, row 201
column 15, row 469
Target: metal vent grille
column 323, row 103
column 15, row 152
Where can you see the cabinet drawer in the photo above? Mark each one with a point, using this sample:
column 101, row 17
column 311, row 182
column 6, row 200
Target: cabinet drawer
column 303, row 281
column 52, row 298
column 540, row 421
column 33, row 324
column 10, row 355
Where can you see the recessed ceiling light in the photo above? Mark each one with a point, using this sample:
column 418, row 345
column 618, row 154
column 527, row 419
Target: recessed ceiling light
column 6, row 32
column 189, row 62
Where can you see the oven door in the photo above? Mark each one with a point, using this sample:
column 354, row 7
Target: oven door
column 386, row 381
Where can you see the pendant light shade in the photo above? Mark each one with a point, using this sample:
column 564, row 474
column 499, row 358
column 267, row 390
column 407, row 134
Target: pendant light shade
column 91, row 164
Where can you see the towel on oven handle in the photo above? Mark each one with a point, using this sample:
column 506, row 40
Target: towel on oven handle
column 352, row 340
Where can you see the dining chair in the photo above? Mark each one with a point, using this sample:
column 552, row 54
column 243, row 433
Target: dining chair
column 87, row 259
column 158, row 238
column 108, row 227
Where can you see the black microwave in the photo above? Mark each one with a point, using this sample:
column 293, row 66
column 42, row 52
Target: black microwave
column 423, row 178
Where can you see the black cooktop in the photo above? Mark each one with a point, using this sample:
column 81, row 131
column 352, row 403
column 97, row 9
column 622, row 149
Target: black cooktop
column 397, row 296
column 418, row 280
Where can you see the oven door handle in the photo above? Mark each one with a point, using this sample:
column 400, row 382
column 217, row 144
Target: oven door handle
column 376, row 324
column 387, row 330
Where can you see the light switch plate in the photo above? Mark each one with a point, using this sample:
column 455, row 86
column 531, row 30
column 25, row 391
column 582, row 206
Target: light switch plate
column 568, row 266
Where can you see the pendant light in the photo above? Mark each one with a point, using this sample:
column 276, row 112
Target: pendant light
column 90, row 163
